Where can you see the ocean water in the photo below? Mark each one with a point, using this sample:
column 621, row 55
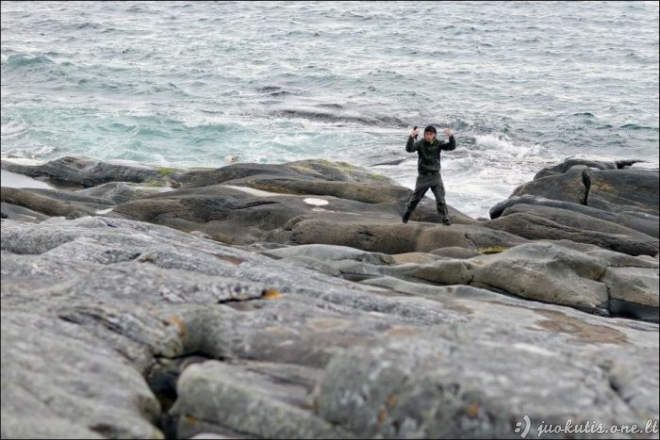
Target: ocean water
column 523, row 84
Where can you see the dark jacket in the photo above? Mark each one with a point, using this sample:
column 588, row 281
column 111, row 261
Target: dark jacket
column 429, row 153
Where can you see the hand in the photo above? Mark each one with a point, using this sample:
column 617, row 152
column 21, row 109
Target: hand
column 414, row 132
column 448, row 132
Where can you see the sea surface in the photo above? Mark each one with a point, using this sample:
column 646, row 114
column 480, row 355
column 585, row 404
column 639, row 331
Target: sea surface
column 524, row 85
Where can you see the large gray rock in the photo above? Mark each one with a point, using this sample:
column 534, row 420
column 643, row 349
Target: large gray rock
column 647, row 224
column 399, row 238
column 228, row 218
column 455, row 252
column 640, row 391
column 20, row 213
column 578, row 220
column 59, row 382
column 570, row 186
column 44, row 204
column 120, row 192
column 633, row 292
column 625, row 190
column 236, row 217
column 615, row 188
column 612, row 259
column 448, row 295
column 314, row 264
column 87, row 172
column 373, row 191
column 75, row 196
column 144, row 299
column 434, row 389
column 361, row 192
column 546, row 273
column 599, row 282
column 301, row 170
column 276, row 409
column 228, row 204
column 534, row 227
column 570, row 163
column 419, row 257
column 331, row 253
column 445, row 272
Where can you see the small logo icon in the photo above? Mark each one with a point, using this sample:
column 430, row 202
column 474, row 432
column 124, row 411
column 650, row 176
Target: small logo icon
column 523, row 427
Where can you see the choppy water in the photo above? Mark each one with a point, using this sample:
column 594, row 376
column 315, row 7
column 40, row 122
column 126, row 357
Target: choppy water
column 186, row 84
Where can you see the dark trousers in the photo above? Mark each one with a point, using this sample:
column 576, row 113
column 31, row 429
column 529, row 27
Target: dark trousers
column 431, row 181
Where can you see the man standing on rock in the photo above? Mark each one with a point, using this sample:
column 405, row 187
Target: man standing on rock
column 428, row 169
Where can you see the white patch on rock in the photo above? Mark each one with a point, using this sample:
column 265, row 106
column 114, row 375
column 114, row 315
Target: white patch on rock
column 254, row 192
column 104, row 211
column 534, row 349
column 316, row 202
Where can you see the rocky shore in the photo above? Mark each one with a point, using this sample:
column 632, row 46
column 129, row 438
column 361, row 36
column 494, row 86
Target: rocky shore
column 290, row 301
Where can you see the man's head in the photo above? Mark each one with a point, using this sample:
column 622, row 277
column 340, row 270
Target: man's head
column 430, row 133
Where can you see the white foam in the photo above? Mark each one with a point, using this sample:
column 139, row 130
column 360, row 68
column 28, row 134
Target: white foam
column 161, row 160
column 653, row 166
column 12, row 129
column 503, row 145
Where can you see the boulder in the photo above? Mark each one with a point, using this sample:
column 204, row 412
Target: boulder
column 120, row 192
column 570, row 163
column 361, row 192
column 321, row 170
column 252, row 403
column 86, row 172
column 20, row 213
column 547, row 273
column 44, row 204
column 330, row 253
column 58, row 381
column 455, row 253
column 633, row 292
column 570, row 186
column 625, row 190
column 74, row 196
column 646, row 224
column 434, row 389
column 399, row 238
column 580, row 221
column 534, row 227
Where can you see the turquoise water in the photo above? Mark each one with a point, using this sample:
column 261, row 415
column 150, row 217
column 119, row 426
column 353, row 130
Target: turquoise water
column 187, row 84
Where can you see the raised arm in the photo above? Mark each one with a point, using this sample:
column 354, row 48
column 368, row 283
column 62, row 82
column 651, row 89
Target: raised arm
column 449, row 145
column 411, row 145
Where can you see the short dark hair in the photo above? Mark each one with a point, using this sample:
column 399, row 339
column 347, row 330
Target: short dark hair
column 431, row 129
